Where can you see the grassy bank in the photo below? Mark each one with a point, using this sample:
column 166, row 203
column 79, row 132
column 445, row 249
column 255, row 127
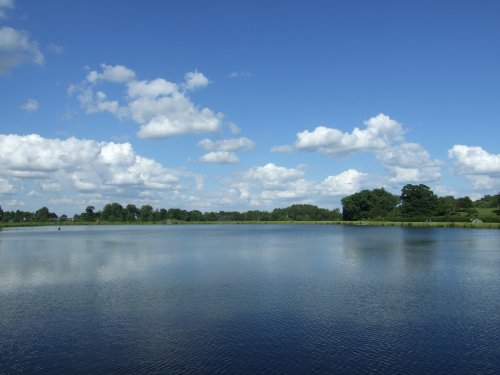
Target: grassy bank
column 352, row 223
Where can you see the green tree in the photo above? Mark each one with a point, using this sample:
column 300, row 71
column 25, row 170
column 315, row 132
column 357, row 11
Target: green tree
column 462, row 204
column 113, row 212
column 131, row 212
column 42, row 214
column 195, row 215
column 446, row 205
column 146, row 213
column 418, row 201
column 368, row 204
column 89, row 214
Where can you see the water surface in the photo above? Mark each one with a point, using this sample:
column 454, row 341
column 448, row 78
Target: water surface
column 249, row 299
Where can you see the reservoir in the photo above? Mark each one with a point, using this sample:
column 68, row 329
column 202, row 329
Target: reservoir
column 249, row 299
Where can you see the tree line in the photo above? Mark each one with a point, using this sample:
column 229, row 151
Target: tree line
column 115, row 212
column 418, row 203
column 415, row 203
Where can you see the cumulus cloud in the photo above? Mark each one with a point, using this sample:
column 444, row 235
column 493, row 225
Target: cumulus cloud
column 5, row 186
column 282, row 148
column 232, row 144
column 16, row 47
column 268, row 184
column 116, row 74
column 223, row 151
column 345, row 183
column 83, row 166
column 233, row 128
column 195, row 80
column 409, row 163
column 474, row 160
column 151, row 89
column 221, row 157
column 4, row 6
column 478, row 166
column 380, row 131
column 160, row 107
column 30, row 105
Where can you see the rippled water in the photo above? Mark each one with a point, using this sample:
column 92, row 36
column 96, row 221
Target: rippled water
column 249, row 299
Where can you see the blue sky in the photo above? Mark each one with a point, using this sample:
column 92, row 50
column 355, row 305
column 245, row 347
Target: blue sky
column 245, row 105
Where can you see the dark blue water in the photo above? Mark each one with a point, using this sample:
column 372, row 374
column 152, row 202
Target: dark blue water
column 249, row 299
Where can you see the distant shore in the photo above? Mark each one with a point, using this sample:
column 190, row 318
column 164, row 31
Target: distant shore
column 350, row 223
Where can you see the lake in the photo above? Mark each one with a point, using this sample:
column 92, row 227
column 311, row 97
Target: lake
column 229, row 299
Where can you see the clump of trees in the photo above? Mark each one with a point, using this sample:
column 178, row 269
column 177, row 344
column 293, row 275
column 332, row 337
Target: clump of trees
column 416, row 203
column 374, row 204
column 115, row 212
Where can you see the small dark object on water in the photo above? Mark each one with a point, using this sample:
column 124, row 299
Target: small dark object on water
column 59, row 228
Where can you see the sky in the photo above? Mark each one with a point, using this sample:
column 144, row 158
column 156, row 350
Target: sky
column 217, row 105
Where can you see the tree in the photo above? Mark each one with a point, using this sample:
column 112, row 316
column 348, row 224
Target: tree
column 131, row 212
column 42, row 214
column 146, row 213
column 113, row 212
column 89, row 214
column 462, row 204
column 418, row 201
column 195, row 215
column 368, row 204
column 446, row 205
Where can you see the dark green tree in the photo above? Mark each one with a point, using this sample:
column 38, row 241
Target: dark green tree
column 146, row 213
column 42, row 214
column 113, row 212
column 368, row 204
column 418, row 201
column 446, row 205
column 131, row 212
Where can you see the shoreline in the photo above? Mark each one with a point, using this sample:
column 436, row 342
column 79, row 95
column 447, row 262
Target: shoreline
column 408, row 224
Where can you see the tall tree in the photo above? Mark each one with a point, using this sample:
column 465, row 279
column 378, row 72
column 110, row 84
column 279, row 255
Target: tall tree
column 113, row 212
column 42, row 214
column 368, row 204
column 146, row 213
column 418, row 201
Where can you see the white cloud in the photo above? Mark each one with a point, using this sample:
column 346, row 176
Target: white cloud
column 16, row 47
column 282, row 148
column 472, row 160
column 232, row 144
column 380, row 131
column 75, row 166
column 484, row 183
column 116, row 74
column 222, row 157
column 5, row 186
column 265, row 184
column 478, row 166
column 195, row 80
column 345, row 183
column 151, row 89
column 272, row 176
column 409, row 163
column 269, row 184
column 30, row 105
column 233, row 128
column 4, row 6
column 160, row 107
column 223, row 151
